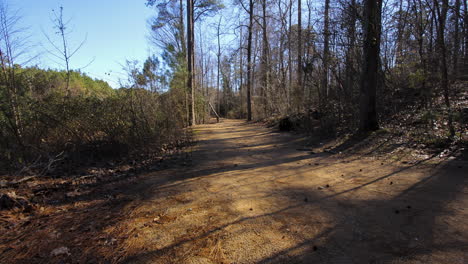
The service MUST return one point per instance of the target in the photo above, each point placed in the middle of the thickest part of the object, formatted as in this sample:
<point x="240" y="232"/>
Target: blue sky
<point x="116" y="30"/>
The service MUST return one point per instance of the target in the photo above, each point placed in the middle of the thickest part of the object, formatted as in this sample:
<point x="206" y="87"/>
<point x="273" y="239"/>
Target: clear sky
<point x="116" y="30"/>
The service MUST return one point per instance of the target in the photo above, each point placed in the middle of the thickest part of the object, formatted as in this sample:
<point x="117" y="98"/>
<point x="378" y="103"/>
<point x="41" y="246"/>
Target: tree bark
<point x="241" y="69"/>
<point x="441" y="45"/>
<point x="326" y="51"/>
<point x="465" y="33"/>
<point x="249" y="61"/>
<point x="299" y="93"/>
<point x="265" y="66"/>
<point x="190" y="57"/>
<point x="370" y="69"/>
<point x="290" y="54"/>
<point x="218" y="56"/>
<point x="351" y="53"/>
<point x="456" y="38"/>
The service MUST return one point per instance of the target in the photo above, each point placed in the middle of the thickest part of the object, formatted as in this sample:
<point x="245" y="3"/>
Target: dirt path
<point x="250" y="196"/>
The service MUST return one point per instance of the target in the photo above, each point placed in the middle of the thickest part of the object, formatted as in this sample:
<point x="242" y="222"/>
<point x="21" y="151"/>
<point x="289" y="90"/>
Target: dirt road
<point x="252" y="195"/>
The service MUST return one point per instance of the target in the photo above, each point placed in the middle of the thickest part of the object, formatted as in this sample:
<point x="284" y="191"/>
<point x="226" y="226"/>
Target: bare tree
<point x="441" y="11"/>
<point x="250" y="13"/>
<point x="218" y="59"/>
<point x="265" y="58"/>
<point x="12" y="47"/>
<point x="63" y="51"/>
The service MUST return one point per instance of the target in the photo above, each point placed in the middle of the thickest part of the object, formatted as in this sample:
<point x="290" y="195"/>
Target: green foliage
<point x="37" y="83"/>
<point x="206" y="8"/>
<point x="178" y="93"/>
<point x="167" y="29"/>
<point x="416" y="77"/>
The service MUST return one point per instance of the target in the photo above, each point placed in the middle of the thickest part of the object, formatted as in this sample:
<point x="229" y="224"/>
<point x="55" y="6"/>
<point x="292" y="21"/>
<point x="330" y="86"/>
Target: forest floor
<point x="253" y="195"/>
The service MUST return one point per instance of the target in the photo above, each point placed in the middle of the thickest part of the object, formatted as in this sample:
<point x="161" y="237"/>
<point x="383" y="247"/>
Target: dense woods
<point x="328" y="66"/>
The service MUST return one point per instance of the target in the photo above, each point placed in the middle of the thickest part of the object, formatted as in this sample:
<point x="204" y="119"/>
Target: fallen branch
<point x="52" y="160"/>
<point x="214" y="111"/>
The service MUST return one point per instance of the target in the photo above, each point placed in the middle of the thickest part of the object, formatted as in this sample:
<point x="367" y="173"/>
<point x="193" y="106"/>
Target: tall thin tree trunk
<point x="282" y="70"/>
<point x="192" y="25"/>
<point x="290" y="51"/>
<point x="66" y="56"/>
<point x="308" y="52"/>
<point x="465" y="29"/>
<point x="399" y="44"/>
<point x="326" y="51"/>
<point x="218" y="55"/>
<point x="241" y="69"/>
<point x="202" y="77"/>
<point x="441" y="45"/>
<point x="265" y="66"/>
<point x="184" y="51"/>
<point x="456" y="38"/>
<point x="190" y="56"/>
<point x="249" y="61"/>
<point x="417" y="4"/>
<point x="299" y="88"/>
<point x="350" y="71"/>
<point x="181" y="27"/>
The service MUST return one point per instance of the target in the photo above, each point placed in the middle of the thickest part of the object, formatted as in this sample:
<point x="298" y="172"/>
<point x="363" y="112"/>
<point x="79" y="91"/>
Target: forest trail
<point x="252" y="195"/>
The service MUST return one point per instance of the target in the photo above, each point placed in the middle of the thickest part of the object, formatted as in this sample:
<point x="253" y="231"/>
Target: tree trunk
<point x="350" y="53"/>
<point x="456" y="38"/>
<point x="299" y="93"/>
<point x="184" y="51"/>
<point x="218" y="55"/>
<point x="265" y="66"/>
<point x="249" y="61"/>
<point x="465" y="33"/>
<point x="400" y="30"/>
<point x="181" y="27"/>
<point x="190" y="56"/>
<point x="241" y="69"/>
<point x="326" y="51"/>
<point x="290" y="51"/>
<point x="348" y="95"/>
<point x="370" y="69"/>
<point x="441" y="45"/>
<point x="420" y="28"/>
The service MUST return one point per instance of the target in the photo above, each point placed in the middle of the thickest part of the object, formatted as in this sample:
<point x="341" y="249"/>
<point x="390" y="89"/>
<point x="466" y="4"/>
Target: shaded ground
<point x="251" y="195"/>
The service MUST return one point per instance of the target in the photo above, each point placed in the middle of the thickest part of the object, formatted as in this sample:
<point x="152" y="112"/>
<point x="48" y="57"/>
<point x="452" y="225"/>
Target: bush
<point x="92" y="124"/>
